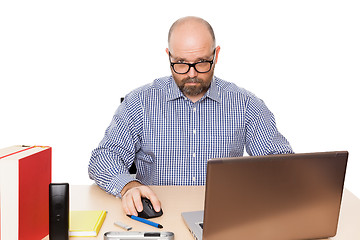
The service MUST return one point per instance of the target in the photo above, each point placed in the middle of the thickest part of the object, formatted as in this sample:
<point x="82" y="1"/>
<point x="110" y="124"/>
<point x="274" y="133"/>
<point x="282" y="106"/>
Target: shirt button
<point x="194" y="179"/>
<point x="194" y="131"/>
<point x="194" y="109"/>
<point x="194" y="154"/>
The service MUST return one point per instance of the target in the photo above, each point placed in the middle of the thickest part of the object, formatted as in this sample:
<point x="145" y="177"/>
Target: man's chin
<point x="192" y="90"/>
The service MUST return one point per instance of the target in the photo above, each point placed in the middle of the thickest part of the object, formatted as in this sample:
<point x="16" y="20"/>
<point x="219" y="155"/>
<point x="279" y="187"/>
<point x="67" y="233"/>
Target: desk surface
<point x="173" y="203"/>
<point x="177" y="199"/>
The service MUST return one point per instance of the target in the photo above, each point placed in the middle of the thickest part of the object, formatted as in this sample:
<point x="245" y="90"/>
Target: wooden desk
<point x="177" y="199"/>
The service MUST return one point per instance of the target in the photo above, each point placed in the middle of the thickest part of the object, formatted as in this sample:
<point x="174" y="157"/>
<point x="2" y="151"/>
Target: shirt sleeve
<point x="110" y="161"/>
<point x="262" y="135"/>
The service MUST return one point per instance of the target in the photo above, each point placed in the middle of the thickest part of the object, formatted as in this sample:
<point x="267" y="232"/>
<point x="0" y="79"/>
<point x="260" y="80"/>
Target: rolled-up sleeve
<point x="110" y="161"/>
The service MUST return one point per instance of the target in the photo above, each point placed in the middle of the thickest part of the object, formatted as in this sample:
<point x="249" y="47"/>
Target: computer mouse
<point x="148" y="210"/>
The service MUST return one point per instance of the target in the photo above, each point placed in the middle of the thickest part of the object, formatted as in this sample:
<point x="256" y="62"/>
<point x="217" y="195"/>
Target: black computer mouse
<point x="148" y="210"/>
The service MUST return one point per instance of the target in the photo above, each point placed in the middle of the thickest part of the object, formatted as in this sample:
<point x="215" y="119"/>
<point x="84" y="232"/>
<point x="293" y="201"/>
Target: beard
<point x="193" y="90"/>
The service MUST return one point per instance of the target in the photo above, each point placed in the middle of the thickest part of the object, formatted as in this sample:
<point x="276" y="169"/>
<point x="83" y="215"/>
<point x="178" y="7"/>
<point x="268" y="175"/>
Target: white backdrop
<point x="65" y="64"/>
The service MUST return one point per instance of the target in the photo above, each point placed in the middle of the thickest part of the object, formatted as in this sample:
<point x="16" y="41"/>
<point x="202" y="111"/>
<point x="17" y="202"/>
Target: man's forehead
<point x="190" y="46"/>
<point x="192" y="54"/>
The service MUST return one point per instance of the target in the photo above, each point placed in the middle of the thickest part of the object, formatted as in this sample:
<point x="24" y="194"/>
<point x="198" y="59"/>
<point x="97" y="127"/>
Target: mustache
<point x="192" y="80"/>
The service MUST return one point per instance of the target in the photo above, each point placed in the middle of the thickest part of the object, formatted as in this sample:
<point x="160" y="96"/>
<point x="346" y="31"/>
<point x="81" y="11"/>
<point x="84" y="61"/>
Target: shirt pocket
<point x="227" y="144"/>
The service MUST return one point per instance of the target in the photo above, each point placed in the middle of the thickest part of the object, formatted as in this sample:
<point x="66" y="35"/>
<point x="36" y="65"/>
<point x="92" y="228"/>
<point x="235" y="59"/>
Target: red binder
<point x="25" y="175"/>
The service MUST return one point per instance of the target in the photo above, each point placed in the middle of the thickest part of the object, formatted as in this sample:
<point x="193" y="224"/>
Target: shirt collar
<point x="212" y="93"/>
<point x="174" y="91"/>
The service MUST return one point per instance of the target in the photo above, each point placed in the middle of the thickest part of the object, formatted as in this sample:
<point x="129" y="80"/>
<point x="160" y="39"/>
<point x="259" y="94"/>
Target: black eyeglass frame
<point x="190" y="65"/>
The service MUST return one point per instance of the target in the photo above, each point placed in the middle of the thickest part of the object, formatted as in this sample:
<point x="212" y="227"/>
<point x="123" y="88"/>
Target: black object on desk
<point x="59" y="211"/>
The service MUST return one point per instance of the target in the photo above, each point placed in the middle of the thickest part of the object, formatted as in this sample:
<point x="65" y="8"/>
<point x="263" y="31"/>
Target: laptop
<point x="274" y="197"/>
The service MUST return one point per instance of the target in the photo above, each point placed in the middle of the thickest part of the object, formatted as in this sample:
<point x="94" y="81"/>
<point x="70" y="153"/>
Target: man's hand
<point x="131" y="198"/>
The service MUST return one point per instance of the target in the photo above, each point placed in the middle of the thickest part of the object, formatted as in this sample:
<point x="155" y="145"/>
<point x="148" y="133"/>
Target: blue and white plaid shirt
<point x="170" y="138"/>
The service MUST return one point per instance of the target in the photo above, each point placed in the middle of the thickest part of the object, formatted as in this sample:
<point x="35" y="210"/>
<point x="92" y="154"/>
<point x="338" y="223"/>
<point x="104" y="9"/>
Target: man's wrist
<point x="128" y="186"/>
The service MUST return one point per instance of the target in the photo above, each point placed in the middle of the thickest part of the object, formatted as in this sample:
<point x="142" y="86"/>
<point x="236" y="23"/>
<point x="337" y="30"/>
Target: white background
<point x="65" y="64"/>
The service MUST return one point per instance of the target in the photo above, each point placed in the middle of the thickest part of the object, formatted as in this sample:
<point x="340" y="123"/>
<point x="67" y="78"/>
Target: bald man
<point x="172" y="126"/>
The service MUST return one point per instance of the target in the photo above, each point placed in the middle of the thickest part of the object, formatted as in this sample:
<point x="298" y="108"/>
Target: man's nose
<point x="192" y="72"/>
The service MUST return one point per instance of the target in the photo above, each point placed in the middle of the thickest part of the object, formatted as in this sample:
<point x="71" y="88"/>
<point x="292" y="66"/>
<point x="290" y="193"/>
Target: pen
<point x="145" y="221"/>
<point x="122" y="225"/>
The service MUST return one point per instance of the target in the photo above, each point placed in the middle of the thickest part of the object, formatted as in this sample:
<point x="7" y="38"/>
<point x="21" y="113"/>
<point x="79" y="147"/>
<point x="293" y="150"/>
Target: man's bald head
<point x="194" y="24"/>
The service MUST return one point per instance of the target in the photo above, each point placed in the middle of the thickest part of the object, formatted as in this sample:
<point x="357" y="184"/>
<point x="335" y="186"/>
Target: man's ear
<point x="217" y="50"/>
<point x="167" y="51"/>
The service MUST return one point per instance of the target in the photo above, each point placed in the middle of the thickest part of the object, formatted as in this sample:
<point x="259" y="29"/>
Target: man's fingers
<point x="128" y="202"/>
<point x="136" y="197"/>
<point x="125" y="206"/>
<point x="155" y="201"/>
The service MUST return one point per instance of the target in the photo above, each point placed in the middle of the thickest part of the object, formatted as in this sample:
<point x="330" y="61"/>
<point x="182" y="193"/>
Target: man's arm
<point x="262" y="135"/>
<point x="110" y="162"/>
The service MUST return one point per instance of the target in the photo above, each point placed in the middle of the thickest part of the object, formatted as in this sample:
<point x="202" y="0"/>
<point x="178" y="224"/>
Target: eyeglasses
<point x="200" y="67"/>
